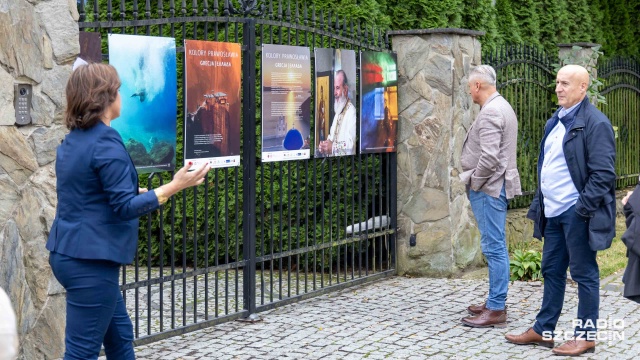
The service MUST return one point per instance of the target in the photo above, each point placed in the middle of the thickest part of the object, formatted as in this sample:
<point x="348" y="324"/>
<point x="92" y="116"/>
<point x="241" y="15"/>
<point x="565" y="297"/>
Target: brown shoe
<point x="476" y="309"/>
<point x="487" y="318"/>
<point x="529" y="337"/>
<point x="575" y="348"/>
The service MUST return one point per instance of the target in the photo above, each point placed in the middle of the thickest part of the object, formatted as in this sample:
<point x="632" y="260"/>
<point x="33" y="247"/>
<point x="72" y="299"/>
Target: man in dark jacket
<point x="631" y="239"/>
<point x="574" y="210"/>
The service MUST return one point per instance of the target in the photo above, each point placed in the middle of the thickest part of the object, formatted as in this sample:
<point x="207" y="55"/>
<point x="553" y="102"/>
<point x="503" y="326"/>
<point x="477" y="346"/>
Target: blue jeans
<point x="491" y="216"/>
<point x="96" y="313"/>
<point x="566" y="244"/>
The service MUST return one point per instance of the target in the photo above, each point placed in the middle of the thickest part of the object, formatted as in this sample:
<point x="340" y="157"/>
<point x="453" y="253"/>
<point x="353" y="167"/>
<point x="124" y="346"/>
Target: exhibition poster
<point x="336" y="116"/>
<point x="147" y="123"/>
<point x="286" y="102"/>
<point x="378" y="102"/>
<point x="212" y="103"/>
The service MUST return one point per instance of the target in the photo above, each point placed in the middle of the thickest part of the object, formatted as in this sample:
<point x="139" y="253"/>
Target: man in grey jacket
<point x="489" y="171"/>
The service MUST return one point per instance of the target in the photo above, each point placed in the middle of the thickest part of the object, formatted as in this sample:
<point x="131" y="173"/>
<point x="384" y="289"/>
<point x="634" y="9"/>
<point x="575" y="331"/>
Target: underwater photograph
<point x="147" y="122"/>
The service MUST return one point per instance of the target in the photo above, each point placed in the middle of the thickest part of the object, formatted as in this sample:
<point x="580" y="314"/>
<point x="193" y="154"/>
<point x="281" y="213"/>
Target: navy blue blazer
<point x="98" y="200"/>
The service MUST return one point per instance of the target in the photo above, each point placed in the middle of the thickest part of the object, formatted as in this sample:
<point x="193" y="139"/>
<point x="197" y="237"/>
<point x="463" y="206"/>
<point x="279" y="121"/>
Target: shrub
<point x="526" y="265"/>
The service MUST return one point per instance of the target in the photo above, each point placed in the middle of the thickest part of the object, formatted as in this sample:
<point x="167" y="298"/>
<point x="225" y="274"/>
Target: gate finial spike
<point x="351" y="30"/>
<point x="313" y="15"/>
<point x="366" y="33"/>
<point x="305" y="13"/>
<point x="81" y="12"/>
<point x="109" y="11"/>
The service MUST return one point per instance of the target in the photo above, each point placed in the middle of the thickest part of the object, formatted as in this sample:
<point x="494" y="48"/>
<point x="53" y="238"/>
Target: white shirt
<point x="555" y="181"/>
<point x="345" y="143"/>
<point x="8" y="332"/>
<point x="564" y="111"/>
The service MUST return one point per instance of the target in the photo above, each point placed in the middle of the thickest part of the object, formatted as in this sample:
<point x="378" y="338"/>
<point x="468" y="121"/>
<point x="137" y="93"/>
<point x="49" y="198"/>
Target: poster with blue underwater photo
<point x="147" y="123"/>
<point x="378" y="102"/>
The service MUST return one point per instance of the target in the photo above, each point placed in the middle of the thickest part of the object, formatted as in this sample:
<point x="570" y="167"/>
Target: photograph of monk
<point x="378" y="102"/>
<point x="147" y="123"/>
<point x="286" y="103"/>
<point x="340" y="132"/>
<point x="212" y="103"/>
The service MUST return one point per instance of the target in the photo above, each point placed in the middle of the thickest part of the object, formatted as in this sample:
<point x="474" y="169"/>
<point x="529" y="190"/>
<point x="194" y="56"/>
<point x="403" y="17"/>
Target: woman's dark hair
<point x="91" y="89"/>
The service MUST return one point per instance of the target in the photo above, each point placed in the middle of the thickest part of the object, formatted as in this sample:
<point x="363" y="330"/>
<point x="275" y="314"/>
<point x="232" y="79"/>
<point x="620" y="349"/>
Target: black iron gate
<point x="265" y="234"/>
<point x="622" y="92"/>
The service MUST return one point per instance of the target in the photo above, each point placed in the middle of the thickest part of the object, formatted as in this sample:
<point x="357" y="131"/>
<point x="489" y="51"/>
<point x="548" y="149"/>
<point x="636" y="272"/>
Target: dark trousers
<point x="566" y="244"/>
<point x="96" y="313"/>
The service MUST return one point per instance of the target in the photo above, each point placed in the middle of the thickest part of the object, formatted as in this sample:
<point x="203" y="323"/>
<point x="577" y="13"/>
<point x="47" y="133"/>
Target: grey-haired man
<point x="489" y="171"/>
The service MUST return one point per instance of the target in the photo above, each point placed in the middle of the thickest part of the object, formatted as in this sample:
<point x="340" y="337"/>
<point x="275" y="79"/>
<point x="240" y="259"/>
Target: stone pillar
<point x="435" y="112"/>
<point x="580" y="53"/>
<point x="38" y="42"/>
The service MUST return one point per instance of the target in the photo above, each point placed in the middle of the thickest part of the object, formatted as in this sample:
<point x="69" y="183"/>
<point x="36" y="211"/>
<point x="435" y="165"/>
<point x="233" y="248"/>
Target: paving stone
<point x="395" y="318"/>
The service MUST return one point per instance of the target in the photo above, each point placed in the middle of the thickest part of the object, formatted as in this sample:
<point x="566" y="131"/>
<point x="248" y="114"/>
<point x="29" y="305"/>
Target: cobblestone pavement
<point x="397" y="318"/>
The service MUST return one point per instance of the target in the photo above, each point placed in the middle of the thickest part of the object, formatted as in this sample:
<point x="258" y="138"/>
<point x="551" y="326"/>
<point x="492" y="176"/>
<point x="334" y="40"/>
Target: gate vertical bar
<point x="249" y="165"/>
<point x="393" y="205"/>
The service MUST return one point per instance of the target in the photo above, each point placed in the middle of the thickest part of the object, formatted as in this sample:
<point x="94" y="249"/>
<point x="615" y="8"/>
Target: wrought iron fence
<point x="265" y="234"/>
<point x="622" y="92"/>
<point x="524" y="78"/>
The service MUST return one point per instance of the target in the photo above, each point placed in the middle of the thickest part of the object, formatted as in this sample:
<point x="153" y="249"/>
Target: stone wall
<point x="38" y="42"/>
<point x="435" y="112"/>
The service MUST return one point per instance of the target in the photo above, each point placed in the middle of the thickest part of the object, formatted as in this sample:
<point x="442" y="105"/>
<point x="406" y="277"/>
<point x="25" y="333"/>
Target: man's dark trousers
<point x="566" y="244"/>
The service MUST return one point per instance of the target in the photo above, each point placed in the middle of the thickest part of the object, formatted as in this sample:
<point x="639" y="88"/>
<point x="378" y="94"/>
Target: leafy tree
<point x="425" y="14"/>
<point x="624" y="31"/>
<point x="528" y="19"/>
<point x="580" y="25"/>
<point x="370" y="12"/>
<point x="600" y="27"/>
<point x="554" y="21"/>
<point x="481" y="15"/>
<point x="507" y="27"/>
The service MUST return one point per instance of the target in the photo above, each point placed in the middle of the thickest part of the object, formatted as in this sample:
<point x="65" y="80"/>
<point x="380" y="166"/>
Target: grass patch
<point x="613" y="260"/>
<point x="610" y="261"/>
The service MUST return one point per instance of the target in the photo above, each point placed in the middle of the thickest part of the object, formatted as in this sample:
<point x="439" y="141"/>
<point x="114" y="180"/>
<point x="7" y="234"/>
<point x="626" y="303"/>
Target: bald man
<point x="574" y="210"/>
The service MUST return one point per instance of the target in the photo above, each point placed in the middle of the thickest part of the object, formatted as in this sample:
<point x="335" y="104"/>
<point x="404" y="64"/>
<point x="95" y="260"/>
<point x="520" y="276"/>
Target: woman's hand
<point x="182" y="180"/>
<point x="142" y="190"/>
<point x="626" y="198"/>
<point x="185" y="178"/>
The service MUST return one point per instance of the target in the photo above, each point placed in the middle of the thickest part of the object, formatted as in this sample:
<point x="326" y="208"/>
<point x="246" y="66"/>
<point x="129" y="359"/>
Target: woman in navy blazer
<point x="95" y="230"/>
